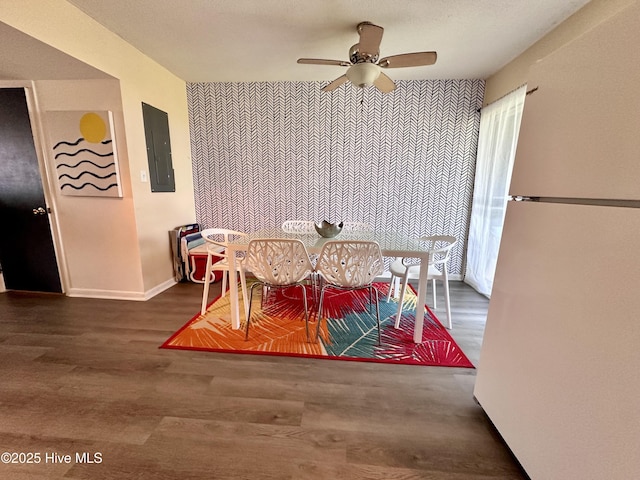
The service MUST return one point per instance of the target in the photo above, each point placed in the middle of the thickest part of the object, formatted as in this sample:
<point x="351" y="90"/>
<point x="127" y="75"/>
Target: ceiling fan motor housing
<point x="356" y="57"/>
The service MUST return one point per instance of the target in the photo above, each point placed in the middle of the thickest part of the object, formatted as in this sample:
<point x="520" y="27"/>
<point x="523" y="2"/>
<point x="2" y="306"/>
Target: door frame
<point x="39" y="141"/>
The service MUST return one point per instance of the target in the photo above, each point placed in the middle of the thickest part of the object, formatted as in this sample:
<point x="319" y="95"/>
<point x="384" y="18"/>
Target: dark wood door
<point x="27" y="255"/>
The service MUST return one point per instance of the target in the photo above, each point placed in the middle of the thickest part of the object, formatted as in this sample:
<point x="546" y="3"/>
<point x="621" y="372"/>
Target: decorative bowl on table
<point x="328" y="230"/>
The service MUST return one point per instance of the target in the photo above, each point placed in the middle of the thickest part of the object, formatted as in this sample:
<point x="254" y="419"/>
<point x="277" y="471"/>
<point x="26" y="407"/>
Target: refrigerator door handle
<point x="602" y="202"/>
<point x="520" y="198"/>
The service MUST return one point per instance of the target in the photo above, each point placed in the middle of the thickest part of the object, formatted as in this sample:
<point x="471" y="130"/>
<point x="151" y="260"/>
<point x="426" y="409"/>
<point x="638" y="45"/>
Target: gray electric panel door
<point x="156" y="131"/>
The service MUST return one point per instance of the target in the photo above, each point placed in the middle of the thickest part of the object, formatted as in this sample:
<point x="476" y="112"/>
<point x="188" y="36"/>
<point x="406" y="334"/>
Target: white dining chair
<point x="349" y="265"/>
<point x="402" y="271"/>
<point x="217" y="240"/>
<point x="298" y="226"/>
<point x="356" y="227"/>
<point x="278" y="263"/>
<point x="304" y="226"/>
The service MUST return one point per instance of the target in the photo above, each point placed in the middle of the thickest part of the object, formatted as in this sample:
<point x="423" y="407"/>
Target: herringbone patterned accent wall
<point x="265" y="152"/>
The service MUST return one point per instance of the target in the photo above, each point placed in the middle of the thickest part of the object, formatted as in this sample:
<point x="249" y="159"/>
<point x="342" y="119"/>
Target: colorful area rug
<point x="347" y="332"/>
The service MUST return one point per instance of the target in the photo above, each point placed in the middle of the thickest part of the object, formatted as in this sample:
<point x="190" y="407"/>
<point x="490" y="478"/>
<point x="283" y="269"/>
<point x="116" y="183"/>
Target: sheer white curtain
<point x="498" y="137"/>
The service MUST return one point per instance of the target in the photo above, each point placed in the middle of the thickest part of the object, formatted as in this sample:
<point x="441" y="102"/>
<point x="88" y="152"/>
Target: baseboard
<point x="105" y="294"/>
<point x="160" y="288"/>
<point x="121" y="295"/>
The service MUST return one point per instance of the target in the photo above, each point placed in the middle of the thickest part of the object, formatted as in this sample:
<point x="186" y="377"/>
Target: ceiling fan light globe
<point x="363" y="74"/>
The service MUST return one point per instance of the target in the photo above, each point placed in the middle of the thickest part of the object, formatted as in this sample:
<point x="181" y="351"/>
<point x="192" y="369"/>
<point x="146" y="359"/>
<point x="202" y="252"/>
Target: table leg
<point x="233" y="293"/>
<point x="205" y="287"/>
<point x="421" y="300"/>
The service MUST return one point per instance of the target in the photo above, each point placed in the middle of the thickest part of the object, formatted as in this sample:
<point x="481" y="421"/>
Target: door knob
<point x="39" y="211"/>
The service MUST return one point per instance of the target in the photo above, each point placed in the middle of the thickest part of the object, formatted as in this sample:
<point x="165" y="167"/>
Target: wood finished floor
<point x="83" y="375"/>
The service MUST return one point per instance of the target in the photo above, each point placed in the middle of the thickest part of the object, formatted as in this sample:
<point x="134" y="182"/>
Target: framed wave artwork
<point x="84" y="153"/>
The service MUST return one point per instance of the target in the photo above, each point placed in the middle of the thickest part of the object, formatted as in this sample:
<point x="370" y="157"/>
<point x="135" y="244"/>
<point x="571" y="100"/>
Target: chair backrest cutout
<point x="350" y="263"/>
<point x="278" y="261"/>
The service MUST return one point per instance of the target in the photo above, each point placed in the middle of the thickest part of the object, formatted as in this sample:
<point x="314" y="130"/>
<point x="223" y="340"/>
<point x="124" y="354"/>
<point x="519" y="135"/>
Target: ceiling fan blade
<point x="370" y="38"/>
<point x="319" y="61"/>
<point x="335" y="84"/>
<point x="417" y="59"/>
<point x="384" y="83"/>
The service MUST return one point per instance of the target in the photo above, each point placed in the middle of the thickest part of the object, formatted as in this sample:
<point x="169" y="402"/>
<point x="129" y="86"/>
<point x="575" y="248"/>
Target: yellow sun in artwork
<point x="92" y="127"/>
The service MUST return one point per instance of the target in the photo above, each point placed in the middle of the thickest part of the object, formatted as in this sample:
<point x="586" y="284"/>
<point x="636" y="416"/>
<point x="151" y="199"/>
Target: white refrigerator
<point x="559" y="369"/>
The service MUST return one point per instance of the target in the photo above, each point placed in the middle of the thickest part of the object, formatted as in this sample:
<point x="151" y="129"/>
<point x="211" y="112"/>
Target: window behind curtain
<point x="498" y="137"/>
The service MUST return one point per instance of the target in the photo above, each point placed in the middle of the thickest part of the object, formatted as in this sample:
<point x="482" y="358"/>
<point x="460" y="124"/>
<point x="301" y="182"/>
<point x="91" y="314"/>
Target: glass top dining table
<point x="392" y="244"/>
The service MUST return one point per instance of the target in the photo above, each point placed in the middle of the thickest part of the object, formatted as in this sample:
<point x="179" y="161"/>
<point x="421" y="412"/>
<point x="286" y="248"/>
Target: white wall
<point x="99" y="233"/>
<point x="135" y="230"/>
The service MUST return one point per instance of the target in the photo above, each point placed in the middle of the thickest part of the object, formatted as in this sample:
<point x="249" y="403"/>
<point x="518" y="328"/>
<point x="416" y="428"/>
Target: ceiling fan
<point x="364" y="67"/>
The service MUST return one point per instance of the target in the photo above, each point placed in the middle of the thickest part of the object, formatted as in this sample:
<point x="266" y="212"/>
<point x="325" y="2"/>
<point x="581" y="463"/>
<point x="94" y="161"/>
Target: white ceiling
<point x="260" y="40"/>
